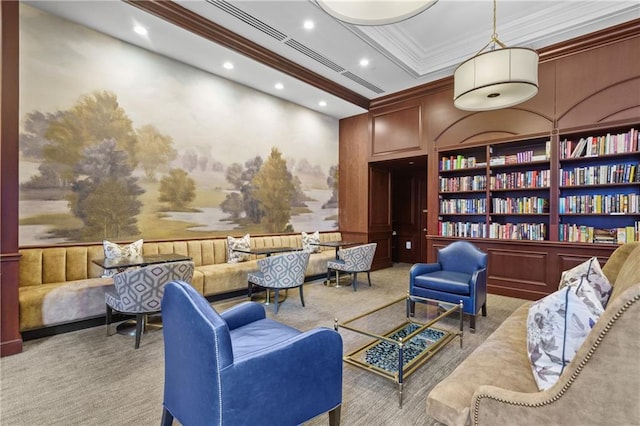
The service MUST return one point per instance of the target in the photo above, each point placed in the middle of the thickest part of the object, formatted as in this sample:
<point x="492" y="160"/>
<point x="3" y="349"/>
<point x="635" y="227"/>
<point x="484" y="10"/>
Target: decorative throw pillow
<point x="116" y="251"/>
<point x="310" y="242"/>
<point x="233" y="244"/>
<point x="557" y="326"/>
<point x="588" y="271"/>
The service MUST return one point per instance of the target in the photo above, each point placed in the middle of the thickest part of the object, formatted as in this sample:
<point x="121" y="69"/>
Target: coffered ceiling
<point x="323" y="63"/>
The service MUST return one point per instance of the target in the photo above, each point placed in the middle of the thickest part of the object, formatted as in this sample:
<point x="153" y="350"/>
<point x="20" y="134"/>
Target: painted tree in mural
<point x="93" y="119"/>
<point x="177" y="189"/>
<point x="155" y="151"/>
<point x="332" y="183"/>
<point x="241" y="178"/>
<point x="106" y="197"/>
<point x="274" y="190"/>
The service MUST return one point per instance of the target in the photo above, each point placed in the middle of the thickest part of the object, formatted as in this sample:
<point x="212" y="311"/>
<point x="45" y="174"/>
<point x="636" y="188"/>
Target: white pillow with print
<point x="310" y="242"/>
<point x="234" y="244"/>
<point x="588" y="271"/>
<point x="557" y="325"/>
<point x="113" y="251"/>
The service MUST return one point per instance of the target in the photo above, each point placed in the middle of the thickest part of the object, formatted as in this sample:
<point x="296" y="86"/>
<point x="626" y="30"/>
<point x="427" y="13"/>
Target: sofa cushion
<point x="310" y="242"/>
<point x="233" y="244"/>
<point x="557" y="325"/>
<point x="447" y="281"/>
<point x="588" y="271"/>
<point x="115" y="251"/>
<point x="449" y="400"/>
<point x="629" y="273"/>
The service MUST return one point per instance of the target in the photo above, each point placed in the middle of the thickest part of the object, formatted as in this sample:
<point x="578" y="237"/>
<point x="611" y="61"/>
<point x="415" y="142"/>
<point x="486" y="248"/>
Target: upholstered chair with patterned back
<point x="240" y="368"/>
<point x="460" y="274"/>
<point x="353" y="260"/>
<point x="139" y="291"/>
<point x="278" y="272"/>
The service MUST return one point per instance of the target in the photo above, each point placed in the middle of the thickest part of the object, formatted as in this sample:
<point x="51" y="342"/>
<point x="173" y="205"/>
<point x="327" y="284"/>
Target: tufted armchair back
<point x="462" y="256"/>
<point x="284" y="270"/>
<point x="141" y="290"/>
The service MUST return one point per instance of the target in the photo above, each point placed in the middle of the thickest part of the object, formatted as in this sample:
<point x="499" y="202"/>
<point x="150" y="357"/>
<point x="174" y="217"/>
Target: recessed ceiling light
<point x="322" y="103"/>
<point x="279" y="86"/>
<point x="308" y="25"/>
<point x="139" y="29"/>
<point x="228" y="65"/>
<point x="364" y="62"/>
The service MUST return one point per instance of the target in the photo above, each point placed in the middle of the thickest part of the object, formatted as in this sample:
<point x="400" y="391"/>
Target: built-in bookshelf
<point x="503" y="186"/>
<point x="599" y="186"/>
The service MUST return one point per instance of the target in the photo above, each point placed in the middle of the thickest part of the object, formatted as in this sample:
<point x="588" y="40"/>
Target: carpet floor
<point x="87" y="378"/>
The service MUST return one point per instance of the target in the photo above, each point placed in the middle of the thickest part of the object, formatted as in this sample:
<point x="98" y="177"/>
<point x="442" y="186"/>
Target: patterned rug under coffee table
<point x="408" y="345"/>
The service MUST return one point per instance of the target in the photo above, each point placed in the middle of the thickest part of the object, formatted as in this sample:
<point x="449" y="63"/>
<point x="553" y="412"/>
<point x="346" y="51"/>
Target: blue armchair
<point x="240" y="368"/>
<point x="459" y="274"/>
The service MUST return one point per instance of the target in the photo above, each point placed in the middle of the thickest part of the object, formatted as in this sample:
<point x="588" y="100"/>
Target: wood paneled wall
<point x="584" y="83"/>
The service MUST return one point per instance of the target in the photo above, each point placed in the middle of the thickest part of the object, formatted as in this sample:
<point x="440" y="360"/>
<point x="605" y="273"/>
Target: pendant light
<point x="374" y="12"/>
<point x="499" y="78"/>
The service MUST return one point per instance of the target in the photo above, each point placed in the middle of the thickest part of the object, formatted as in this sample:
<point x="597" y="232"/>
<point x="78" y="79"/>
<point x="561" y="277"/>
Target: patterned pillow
<point x="557" y="326"/>
<point x="310" y="242"/>
<point x="115" y="251"/>
<point x="588" y="271"/>
<point x="243" y="243"/>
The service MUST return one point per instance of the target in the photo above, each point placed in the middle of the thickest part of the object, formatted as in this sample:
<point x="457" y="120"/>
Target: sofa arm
<point x="597" y="387"/>
<point x="243" y="314"/>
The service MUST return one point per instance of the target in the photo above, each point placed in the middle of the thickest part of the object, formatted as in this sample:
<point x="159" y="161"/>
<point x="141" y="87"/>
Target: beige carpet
<point x="86" y="378"/>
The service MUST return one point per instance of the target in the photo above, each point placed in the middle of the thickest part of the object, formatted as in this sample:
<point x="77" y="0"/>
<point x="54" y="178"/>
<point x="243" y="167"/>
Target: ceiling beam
<point x="191" y="21"/>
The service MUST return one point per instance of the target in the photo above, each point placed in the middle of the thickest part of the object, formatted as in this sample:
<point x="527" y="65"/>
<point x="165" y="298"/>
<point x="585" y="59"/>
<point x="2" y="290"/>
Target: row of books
<point x="590" y="234"/>
<point x="600" y="204"/>
<point x="463" y="206"/>
<point x="520" y="205"/>
<point x="528" y="179"/>
<point x="517" y="158"/>
<point x="462" y="229"/>
<point x="600" y="145"/>
<point x="463" y="183"/>
<point x="456" y="162"/>
<point x="518" y="231"/>
<point x="600" y="175"/>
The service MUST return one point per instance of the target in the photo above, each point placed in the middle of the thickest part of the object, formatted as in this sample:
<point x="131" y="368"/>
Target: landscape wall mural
<point x="120" y="143"/>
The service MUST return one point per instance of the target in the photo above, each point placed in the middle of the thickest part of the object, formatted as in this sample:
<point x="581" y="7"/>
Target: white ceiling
<point x="416" y="51"/>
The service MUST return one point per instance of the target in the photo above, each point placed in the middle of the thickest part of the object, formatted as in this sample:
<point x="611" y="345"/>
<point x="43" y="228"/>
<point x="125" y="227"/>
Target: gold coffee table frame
<point x="404" y="371"/>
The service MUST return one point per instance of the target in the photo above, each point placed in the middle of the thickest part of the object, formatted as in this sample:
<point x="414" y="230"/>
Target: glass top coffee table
<point x="401" y="345"/>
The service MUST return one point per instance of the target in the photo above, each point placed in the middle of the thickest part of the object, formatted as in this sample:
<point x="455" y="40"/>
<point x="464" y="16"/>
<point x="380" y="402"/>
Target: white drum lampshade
<point x="496" y="79"/>
<point x="380" y="12"/>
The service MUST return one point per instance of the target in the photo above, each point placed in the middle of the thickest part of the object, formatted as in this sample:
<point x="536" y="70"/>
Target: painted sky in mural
<point x="118" y="142"/>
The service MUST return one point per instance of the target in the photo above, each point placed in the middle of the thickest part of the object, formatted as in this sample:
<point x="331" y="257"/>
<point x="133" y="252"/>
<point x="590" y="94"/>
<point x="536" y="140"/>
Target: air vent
<point x="313" y="55"/>
<point x="248" y="19"/>
<point x="363" y="82"/>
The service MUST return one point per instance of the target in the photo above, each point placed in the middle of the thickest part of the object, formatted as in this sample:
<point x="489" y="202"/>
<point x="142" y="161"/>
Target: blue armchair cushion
<point x="446" y="281"/>
<point x="259" y="335"/>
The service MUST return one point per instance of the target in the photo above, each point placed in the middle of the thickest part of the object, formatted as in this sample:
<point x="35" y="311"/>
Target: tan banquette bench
<point x="60" y="285"/>
<point x="601" y="385"/>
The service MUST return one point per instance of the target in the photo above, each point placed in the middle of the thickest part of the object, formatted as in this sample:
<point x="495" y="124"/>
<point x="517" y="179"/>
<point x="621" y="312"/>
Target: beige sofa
<point x="495" y="385"/>
<point x="61" y="284"/>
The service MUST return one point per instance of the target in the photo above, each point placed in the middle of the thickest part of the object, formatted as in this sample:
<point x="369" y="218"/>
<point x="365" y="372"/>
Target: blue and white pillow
<point x="588" y="271"/>
<point x="310" y="242"/>
<point x="114" y="251"/>
<point x="557" y="326"/>
<point x="234" y="244"/>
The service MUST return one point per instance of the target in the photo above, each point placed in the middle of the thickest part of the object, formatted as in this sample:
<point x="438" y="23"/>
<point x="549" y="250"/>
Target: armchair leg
<point x="355" y="280"/>
<point x="167" y="418"/>
<point x="301" y="295"/>
<point x="334" y="416"/>
<point x="328" y="281"/>
<point x="139" y="323"/>
<point x="275" y="307"/>
<point x="472" y="323"/>
<point x="109" y="319"/>
<point x="250" y="289"/>
<point x="369" y="278"/>
<point x="484" y="309"/>
<point x="338" y="279"/>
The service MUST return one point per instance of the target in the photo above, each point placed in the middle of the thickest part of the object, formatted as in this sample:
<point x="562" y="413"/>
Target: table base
<point x="128" y="327"/>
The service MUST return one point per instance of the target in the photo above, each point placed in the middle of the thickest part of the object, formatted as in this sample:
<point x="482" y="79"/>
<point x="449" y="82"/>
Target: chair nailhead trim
<point x="574" y="376"/>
